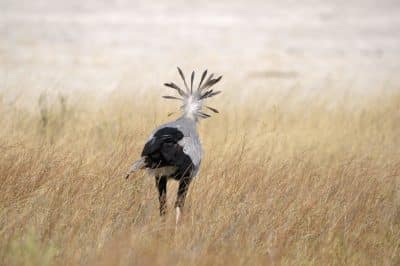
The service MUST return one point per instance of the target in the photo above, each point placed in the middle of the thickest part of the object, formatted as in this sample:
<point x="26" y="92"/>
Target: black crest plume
<point x="193" y="98"/>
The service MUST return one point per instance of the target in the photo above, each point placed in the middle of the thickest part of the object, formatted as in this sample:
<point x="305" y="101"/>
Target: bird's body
<point x="173" y="150"/>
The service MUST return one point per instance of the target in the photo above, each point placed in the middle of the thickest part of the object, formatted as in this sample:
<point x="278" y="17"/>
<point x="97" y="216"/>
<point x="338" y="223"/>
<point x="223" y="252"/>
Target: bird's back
<point x="174" y="148"/>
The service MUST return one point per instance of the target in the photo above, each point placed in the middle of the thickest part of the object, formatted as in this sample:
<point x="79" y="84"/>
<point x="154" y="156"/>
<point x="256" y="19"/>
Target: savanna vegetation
<point x="283" y="182"/>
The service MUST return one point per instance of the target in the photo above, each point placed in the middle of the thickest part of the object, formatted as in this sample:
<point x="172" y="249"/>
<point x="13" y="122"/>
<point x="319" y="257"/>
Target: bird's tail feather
<point x="139" y="164"/>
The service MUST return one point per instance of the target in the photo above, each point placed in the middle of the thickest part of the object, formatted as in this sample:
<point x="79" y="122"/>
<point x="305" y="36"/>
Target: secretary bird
<point x="173" y="150"/>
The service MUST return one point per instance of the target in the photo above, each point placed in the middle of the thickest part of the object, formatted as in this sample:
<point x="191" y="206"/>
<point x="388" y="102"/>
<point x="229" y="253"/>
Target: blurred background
<point x="350" y="47"/>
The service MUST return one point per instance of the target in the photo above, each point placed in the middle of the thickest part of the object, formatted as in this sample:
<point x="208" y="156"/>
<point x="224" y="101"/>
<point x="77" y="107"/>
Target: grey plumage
<point x="173" y="150"/>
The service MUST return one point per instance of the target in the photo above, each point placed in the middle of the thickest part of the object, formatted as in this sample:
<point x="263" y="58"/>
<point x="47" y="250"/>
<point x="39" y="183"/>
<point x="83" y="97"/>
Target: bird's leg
<point x="180" y="200"/>
<point x="161" y="183"/>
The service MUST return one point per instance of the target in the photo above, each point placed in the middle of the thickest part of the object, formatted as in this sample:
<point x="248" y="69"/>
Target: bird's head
<point x="193" y="99"/>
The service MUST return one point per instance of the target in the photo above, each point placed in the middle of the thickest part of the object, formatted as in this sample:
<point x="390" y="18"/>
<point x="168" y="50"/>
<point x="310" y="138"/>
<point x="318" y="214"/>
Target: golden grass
<point x="284" y="182"/>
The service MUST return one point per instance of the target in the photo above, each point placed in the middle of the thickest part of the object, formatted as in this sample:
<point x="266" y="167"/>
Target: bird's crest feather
<point x="193" y="99"/>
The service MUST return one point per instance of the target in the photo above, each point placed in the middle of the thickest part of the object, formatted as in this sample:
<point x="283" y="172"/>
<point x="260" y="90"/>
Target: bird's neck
<point x="189" y="118"/>
<point x="192" y="106"/>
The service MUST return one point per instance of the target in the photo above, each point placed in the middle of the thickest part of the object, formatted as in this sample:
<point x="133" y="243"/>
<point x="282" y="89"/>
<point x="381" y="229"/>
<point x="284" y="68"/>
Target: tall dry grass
<point x="288" y="181"/>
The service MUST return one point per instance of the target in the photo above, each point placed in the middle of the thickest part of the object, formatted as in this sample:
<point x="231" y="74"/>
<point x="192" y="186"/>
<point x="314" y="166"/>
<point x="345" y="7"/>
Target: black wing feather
<point x="163" y="150"/>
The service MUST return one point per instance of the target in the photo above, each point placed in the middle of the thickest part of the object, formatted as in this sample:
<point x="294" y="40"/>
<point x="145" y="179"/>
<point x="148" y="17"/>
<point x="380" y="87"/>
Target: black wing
<point x="163" y="150"/>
